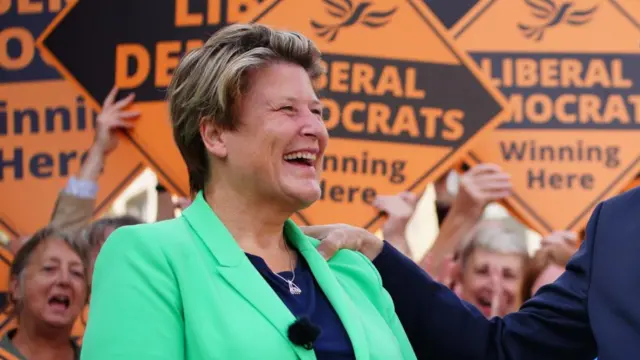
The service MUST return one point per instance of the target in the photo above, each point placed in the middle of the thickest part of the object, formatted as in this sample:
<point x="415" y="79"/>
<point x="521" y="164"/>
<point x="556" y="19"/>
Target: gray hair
<point x="209" y="81"/>
<point x="494" y="236"/>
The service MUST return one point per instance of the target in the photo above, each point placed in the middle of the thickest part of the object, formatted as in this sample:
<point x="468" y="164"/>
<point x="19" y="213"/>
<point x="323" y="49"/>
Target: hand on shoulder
<point x="342" y="236"/>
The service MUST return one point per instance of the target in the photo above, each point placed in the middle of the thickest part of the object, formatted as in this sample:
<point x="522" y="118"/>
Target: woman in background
<point x="491" y="269"/>
<point x="48" y="292"/>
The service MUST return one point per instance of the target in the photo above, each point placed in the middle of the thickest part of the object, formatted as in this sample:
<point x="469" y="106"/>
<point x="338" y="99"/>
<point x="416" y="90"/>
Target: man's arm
<point x="554" y="324"/>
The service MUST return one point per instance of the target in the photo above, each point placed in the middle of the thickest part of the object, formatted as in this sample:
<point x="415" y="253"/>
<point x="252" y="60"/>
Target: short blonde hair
<point x="209" y="81"/>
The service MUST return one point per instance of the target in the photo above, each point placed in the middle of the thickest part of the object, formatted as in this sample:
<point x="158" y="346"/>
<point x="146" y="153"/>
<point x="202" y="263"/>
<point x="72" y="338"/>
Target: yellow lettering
<point x="538" y="108"/>
<point x="486" y="65"/>
<point x="5" y="6"/>
<point x="27" y="48"/>
<point x="617" y="74"/>
<point x="183" y="18"/>
<point x="589" y="109"/>
<point x="615" y="110"/>
<point x="379" y="123"/>
<point x="515" y="104"/>
<point x="125" y="52"/>
<point x="405" y="122"/>
<point x="411" y="92"/>
<point x="634" y="100"/>
<point x="339" y="76"/>
<point x="526" y="73"/>
<point x="453" y="127"/>
<point x="347" y="116"/>
<point x="571" y="73"/>
<point x="431" y="117"/>
<point x="549" y="73"/>
<point x="597" y="74"/>
<point x="507" y="72"/>
<point x="362" y="78"/>
<point x="561" y="109"/>
<point x="378" y="116"/>
<point x="30" y="7"/>
<point x="55" y="5"/>
<point x="167" y="59"/>
<point x="213" y="12"/>
<point x="389" y="82"/>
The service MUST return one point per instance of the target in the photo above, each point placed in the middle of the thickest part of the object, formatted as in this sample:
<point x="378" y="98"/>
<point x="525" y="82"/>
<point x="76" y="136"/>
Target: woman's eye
<point x="48" y="268"/>
<point x="287" y="108"/>
<point x="317" y="111"/>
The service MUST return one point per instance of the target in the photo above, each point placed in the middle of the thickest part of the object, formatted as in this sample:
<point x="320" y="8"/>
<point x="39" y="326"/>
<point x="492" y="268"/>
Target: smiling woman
<point x="234" y="277"/>
<point x="48" y="292"/>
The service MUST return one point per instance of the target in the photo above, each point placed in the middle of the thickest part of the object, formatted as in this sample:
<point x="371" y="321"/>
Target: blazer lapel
<point x="346" y="309"/>
<point x="238" y="270"/>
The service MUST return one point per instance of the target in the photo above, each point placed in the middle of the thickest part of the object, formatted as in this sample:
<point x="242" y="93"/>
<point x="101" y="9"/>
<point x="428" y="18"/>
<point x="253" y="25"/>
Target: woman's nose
<point x="314" y="127"/>
<point x="64" y="277"/>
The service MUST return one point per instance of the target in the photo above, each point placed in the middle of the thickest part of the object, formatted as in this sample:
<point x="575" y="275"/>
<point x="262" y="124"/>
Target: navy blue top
<point x="333" y="342"/>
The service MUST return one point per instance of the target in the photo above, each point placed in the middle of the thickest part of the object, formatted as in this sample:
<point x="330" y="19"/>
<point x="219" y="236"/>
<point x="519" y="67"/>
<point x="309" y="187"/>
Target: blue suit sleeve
<point x="553" y="325"/>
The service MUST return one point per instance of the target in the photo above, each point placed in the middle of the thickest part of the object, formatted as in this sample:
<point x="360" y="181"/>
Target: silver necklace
<point x="293" y="288"/>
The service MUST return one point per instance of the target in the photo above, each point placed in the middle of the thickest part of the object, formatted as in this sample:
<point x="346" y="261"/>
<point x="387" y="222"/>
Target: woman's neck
<point x="256" y="227"/>
<point x="41" y="344"/>
<point x="252" y="223"/>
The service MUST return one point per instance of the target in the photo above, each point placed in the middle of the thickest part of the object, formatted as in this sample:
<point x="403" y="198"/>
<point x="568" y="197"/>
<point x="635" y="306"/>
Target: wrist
<point x="372" y="247"/>
<point x="97" y="150"/>
<point x="400" y="243"/>
<point x="466" y="212"/>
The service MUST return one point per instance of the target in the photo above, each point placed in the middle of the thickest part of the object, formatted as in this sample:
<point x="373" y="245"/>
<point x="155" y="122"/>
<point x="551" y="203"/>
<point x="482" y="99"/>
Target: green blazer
<point x="183" y="289"/>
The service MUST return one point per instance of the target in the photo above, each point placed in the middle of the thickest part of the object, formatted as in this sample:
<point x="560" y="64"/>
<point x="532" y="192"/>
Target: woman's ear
<point x="212" y="137"/>
<point x="16" y="290"/>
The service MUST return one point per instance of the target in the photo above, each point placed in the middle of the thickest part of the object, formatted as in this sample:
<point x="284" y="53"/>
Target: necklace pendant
<point x="293" y="288"/>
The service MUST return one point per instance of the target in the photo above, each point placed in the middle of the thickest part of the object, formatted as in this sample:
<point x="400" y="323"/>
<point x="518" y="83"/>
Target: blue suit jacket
<point x="593" y="309"/>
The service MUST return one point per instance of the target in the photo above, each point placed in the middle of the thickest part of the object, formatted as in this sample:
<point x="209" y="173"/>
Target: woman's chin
<point x="305" y="196"/>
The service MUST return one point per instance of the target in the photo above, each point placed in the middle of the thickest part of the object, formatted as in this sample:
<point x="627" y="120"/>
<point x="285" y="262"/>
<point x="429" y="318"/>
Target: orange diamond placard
<point x="571" y="73"/>
<point x="402" y="103"/>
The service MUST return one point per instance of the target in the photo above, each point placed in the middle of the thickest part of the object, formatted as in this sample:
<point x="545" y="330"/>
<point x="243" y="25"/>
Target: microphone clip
<point x="303" y="332"/>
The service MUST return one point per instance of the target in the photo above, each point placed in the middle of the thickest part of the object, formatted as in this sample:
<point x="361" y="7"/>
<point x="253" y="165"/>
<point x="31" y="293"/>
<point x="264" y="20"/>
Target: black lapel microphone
<point x="303" y="332"/>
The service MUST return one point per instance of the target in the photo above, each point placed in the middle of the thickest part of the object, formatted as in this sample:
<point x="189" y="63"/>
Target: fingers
<point x="382" y="202"/>
<point x="409" y="197"/>
<point x="330" y="246"/>
<point x="496" y="284"/>
<point x="495" y="195"/>
<point x="316" y="231"/>
<point x="120" y="124"/>
<point x="484" y="168"/>
<point x="129" y="114"/>
<point x="492" y="178"/>
<point x="122" y="103"/>
<point x="111" y="97"/>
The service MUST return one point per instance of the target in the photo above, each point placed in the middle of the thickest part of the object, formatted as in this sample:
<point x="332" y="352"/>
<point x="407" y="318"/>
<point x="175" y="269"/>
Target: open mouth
<point x="60" y="302"/>
<point x="301" y="158"/>
<point x="484" y="302"/>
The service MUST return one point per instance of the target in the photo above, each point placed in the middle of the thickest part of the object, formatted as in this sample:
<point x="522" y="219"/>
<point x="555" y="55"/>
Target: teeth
<point x="300" y="155"/>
